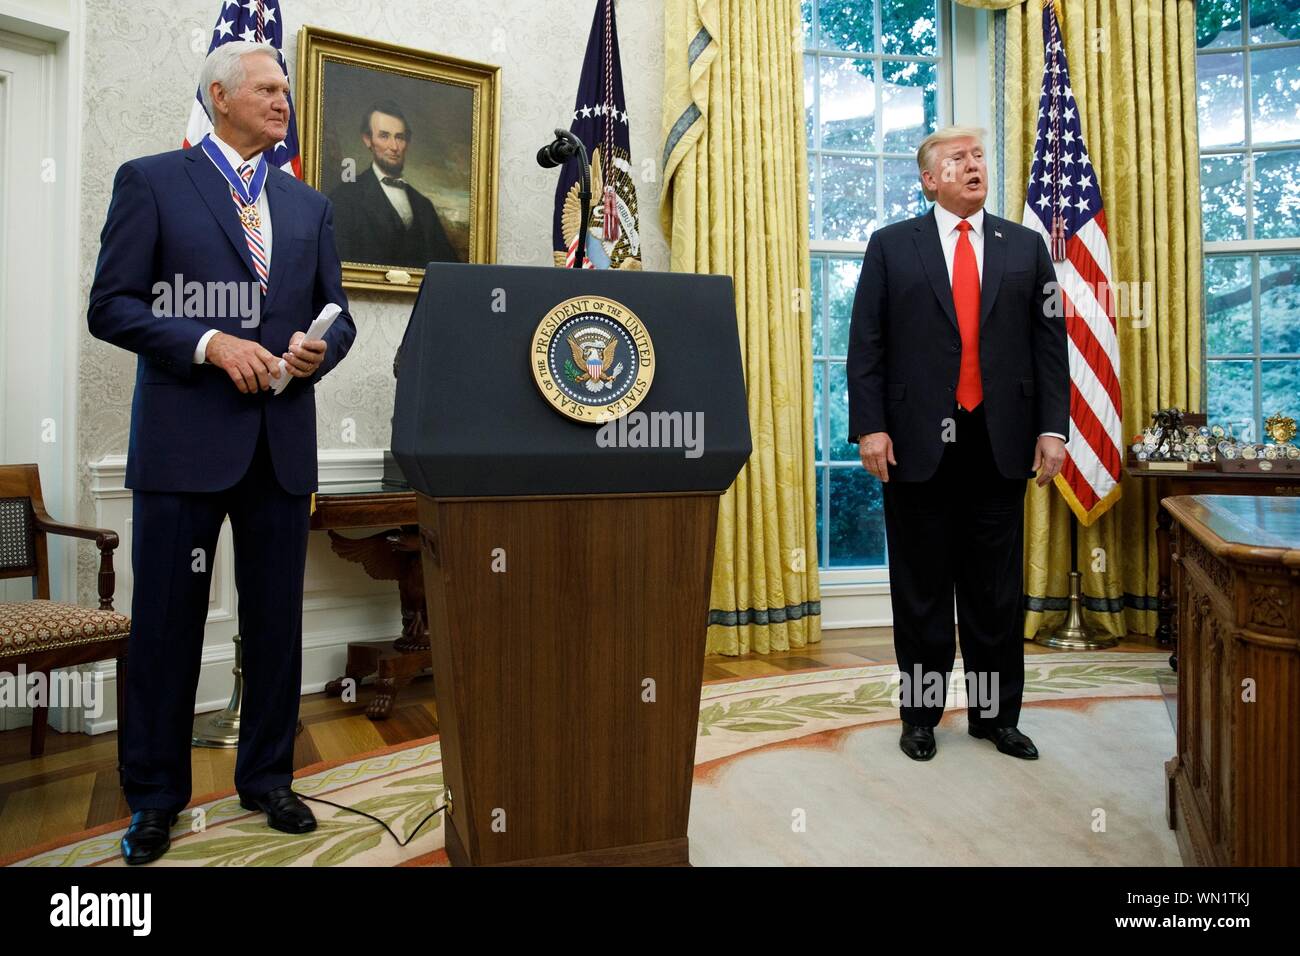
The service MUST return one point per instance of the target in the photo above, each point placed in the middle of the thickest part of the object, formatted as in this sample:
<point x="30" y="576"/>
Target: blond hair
<point x="938" y="138"/>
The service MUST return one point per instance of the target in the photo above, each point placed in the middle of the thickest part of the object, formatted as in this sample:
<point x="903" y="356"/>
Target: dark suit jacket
<point x="905" y="348"/>
<point x="191" y="429"/>
<point x="369" y="229"/>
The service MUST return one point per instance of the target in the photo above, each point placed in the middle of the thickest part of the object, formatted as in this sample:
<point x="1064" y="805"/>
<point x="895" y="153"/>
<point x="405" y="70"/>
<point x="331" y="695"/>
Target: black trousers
<point x="961" y="533"/>
<point x="174" y="540"/>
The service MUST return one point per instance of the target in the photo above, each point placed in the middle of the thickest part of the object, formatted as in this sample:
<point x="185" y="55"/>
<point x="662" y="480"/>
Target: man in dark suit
<point x="383" y="219"/>
<point x="209" y="439"/>
<point x="958" y="383"/>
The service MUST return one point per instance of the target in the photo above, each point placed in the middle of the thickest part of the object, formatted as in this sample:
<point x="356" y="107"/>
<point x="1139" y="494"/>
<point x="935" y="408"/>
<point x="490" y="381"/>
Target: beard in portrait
<point x="380" y="218"/>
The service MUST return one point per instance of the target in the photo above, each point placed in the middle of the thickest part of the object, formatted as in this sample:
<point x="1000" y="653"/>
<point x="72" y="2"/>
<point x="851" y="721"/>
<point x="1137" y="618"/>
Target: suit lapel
<point x="379" y="200"/>
<point x="995" y="250"/>
<point x="215" y="192"/>
<point x="931" y="254"/>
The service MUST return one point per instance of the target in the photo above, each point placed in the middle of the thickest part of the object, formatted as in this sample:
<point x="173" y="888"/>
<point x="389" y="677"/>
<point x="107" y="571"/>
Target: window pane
<point x="806" y="17"/>
<point x="848" y="198"/>
<point x="837" y="394"/>
<point x="821" y="511"/>
<point x="903" y="196"/>
<point x="908" y="27"/>
<point x="848" y="104"/>
<point x="818" y="306"/>
<point x="842" y="278"/>
<point x="1223" y="197"/>
<point x="810" y="99"/>
<point x="1277" y="194"/>
<point x="1272" y="21"/>
<point x="1228" y="329"/>
<point x="1275" y="95"/>
<point x="846" y="25"/>
<point x="1280" y="384"/>
<point x="1230" y="389"/>
<point x="857" y="519"/>
<point x="1218" y="23"/>
<point x="819" y="393"/>
<point x="909" y="104"/>
<point x="1279" y="304"/>
<point x="1221" y="93"/>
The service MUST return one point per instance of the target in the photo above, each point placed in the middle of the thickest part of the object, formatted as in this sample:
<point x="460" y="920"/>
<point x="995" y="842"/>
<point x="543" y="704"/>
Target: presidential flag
<point x="600" y="121"/>
<point x="257" y="21"/>
<point x="1063" y="202"/>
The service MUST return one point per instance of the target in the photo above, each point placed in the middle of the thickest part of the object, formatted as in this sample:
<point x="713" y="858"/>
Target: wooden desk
<point x="390" y="555"/>
<point x="1201" y="480"/>
<point x="1234" y="782"/>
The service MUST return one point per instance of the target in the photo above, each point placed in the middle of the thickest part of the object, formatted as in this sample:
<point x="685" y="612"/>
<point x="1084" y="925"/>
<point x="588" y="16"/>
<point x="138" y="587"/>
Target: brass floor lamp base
<point x="221" y="729"/>
<point x="1073" y="634"/>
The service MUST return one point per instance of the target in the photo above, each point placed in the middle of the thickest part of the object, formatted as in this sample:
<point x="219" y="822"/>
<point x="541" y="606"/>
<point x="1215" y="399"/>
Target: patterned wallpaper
<point x="140" y="75"/>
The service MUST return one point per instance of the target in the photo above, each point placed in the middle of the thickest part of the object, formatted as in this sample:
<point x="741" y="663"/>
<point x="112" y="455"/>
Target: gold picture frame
<point x="446" y="172"/>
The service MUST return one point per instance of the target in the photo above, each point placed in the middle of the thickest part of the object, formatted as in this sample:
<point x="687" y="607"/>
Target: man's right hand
<point x="250" y="367"/>
<point x="877" y="453"/>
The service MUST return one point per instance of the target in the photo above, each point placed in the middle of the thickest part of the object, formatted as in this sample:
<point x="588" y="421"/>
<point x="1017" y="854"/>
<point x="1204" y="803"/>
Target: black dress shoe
<point x="148" y="837"/>
<point x="284" y="810"/>
<point x="917" y="742"/>
<point x="1008" y="740"/>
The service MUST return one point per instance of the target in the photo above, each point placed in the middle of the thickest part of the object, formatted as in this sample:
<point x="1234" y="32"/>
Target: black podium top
<point x="471" y="421"/>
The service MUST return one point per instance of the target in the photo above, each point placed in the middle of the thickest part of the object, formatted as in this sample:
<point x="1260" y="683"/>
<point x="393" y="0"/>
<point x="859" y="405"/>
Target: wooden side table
<point x="390" y="555"/>
<point x="1200" y="480"/>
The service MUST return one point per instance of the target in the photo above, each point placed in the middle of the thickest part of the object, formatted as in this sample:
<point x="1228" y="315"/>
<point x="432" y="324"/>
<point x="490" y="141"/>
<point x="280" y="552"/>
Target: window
<point x="875" y="74"/>
<point x="1248" y="104"/>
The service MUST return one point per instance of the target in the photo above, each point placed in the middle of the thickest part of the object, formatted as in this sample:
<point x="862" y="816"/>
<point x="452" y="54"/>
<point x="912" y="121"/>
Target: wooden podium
<point x="567" y="584"/>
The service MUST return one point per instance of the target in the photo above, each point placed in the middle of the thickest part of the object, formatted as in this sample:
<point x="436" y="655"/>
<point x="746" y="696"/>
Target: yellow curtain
<point x="735" y="201"/>
<point x="1133" y="72"/>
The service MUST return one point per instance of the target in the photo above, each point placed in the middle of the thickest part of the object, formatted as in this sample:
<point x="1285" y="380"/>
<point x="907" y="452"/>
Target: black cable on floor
<point x="363" y="813"/>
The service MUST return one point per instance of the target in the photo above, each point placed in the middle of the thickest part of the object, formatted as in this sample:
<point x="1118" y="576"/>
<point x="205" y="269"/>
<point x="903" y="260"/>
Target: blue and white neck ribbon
<point x="246" y="193"/>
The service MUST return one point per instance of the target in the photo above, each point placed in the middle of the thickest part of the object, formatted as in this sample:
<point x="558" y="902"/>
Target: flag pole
<point x="1073" y="633"/>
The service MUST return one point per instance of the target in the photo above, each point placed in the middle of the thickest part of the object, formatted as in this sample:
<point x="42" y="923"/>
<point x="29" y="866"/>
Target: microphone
<point x="556" y="153"/>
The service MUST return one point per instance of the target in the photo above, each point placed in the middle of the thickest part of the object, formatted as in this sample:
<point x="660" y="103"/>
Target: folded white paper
<point x="317" y="331"/>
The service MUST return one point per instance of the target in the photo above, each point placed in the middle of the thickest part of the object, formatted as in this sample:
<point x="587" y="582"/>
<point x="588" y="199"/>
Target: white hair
<point x="938" y="137"/>
<point x="225" y="65"/>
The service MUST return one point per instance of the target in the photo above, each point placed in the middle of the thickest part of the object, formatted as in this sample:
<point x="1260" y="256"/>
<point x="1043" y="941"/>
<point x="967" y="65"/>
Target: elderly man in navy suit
<point x="959" y="391"/>
<point x="251" y="250"/>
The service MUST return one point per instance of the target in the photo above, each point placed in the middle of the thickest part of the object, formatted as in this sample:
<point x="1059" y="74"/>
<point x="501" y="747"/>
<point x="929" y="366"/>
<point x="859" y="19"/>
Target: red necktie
<point x="966" y="300"/>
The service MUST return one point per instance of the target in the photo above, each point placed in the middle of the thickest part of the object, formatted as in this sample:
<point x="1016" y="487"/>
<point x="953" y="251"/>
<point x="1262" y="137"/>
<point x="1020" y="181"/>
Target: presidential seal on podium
<point x="592" y="359"/>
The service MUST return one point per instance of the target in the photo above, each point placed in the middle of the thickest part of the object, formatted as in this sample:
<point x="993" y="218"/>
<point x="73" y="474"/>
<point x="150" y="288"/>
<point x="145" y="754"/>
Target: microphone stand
<point x="560" y="151"/>
<point x="584" y="203"/>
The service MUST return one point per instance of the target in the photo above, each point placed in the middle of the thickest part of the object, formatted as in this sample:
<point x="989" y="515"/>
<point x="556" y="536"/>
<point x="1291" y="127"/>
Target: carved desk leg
<point x="389" y="556"/>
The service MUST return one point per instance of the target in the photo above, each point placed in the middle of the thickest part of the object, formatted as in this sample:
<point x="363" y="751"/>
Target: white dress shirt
<point x="397" y="196"/>
<point x="263" y="210"/>
<point x="948" y="236"/>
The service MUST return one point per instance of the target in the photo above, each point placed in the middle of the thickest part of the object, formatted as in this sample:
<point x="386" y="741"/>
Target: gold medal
<point x="250" y="217"/>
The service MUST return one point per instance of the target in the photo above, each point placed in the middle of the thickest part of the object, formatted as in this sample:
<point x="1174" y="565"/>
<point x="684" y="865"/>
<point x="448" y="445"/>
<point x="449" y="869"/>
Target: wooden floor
<point x="74" y="785"/>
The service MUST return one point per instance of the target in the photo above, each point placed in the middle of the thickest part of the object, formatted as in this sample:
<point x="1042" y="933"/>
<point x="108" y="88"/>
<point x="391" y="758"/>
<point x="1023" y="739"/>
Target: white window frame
<point x="858" y="597"/>
<point x="1249" y="246"/>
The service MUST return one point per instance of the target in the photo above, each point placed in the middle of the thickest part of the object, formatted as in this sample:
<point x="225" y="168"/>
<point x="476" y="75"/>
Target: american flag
<point x="257" y="21"/>
<point x="1063" y="202"/>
